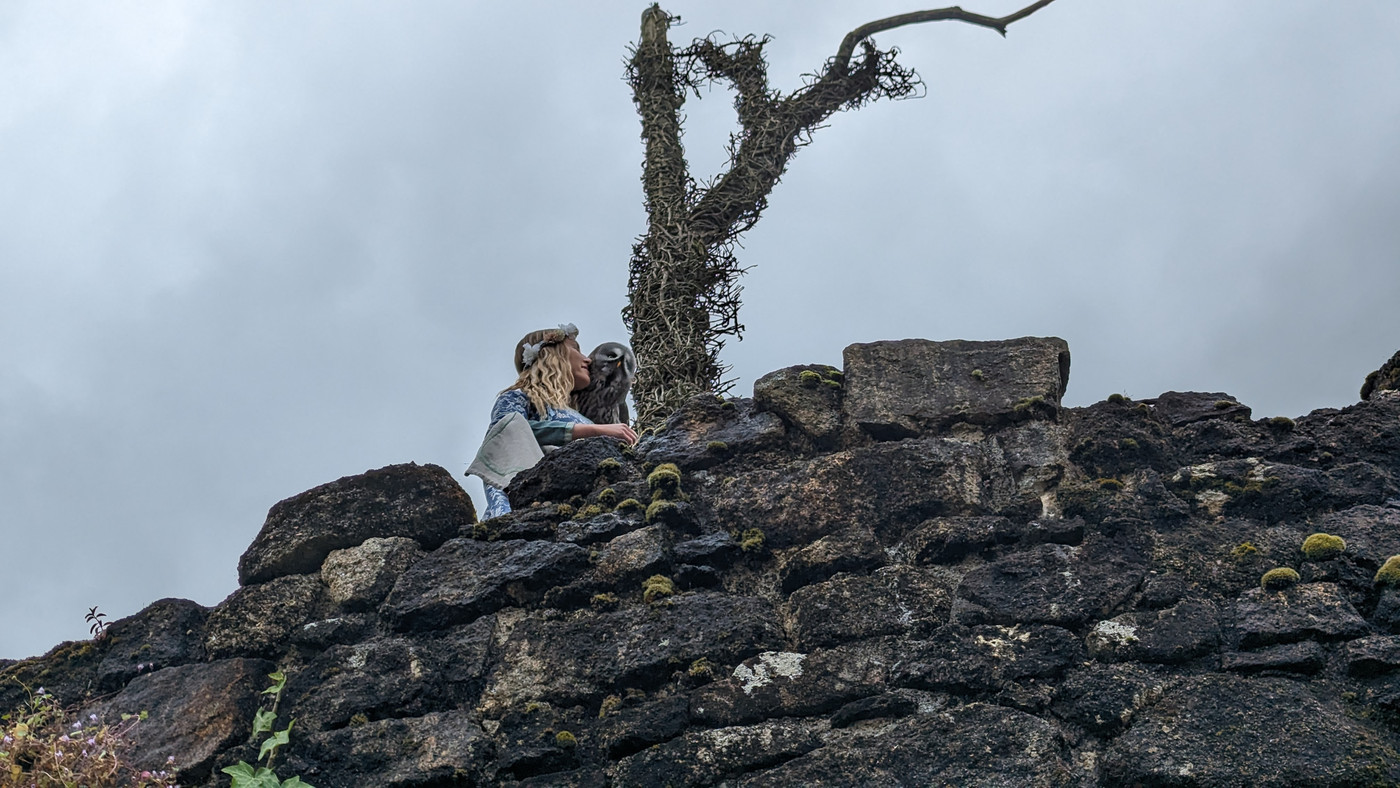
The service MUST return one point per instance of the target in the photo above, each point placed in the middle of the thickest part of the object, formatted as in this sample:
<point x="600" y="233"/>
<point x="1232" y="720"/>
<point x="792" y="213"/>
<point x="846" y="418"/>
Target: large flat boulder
<point x="1230" y="730"/>
<point x="466" y="579"/>
<point x="442" y="748"/>
<point x="1312" y="611"/>
<point x="911" y="387"/>
<point x="260" y="620"/>
<point x="421" y="502"/>
<point x="583" y="657"/>
<point x="166" y="633"/>
<point x="194" y="713"/>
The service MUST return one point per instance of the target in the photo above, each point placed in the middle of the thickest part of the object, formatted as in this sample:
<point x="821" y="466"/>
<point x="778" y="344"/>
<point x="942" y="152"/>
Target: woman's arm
<point x="620" y="432"/>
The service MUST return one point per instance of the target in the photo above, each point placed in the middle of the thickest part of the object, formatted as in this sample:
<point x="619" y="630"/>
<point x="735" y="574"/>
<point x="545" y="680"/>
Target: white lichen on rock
<point x="770" y="665"/>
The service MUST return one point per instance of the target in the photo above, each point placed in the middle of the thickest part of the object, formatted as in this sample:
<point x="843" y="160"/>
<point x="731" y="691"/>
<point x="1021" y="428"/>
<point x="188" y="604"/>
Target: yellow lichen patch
<point x="1320" y="547"/>
<point x="566" y="740"/>
<point x="610" y="705"/>
<point x="751" y="540"/>
<point x="1278" y="578"/>
<point x="1244" y="551"/>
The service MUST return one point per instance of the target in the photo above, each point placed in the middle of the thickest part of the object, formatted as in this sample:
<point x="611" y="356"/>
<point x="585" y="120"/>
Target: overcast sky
<point x="251" y="247"/>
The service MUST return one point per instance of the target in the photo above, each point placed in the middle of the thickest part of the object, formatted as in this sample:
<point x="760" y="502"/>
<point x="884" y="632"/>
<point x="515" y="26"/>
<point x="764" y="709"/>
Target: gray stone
<point x="1372" y="532"/>
<point x="950" y="539"/>
<point x="894" y="600"/>
<point x="194" y="713"/>
<point x="1305" y="657"/>
<point x="1103" y="699"/>
<point x="575" y="468"/>
<point x="1179" y="633"/>
<point x="1311" y="611"/>
<point x="261" y="620"/>
<point x="810" y="403"/>
<point x="358" y="578"/>
<point x="1179" y="408"/>
<point x="1277" y="732"/>
<point x="911" y="387"/>
<point x="421" y="502"/>
<point x="465" y="579"/>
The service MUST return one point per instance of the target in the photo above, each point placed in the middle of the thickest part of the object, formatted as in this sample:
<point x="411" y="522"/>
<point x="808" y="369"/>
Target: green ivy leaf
<point x="262" y="721"/>
<point x="279" y="681"/>
<point x="245" y="776"/>
<point x="277" y="739"/>
<point x="295" y="782"/>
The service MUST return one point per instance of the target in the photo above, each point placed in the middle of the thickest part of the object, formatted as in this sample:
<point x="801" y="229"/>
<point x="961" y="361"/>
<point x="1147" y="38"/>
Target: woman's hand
<point x="620" y="432"/>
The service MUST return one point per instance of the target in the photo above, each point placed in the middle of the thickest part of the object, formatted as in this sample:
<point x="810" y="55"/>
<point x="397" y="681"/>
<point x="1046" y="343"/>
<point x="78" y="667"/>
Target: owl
<point x="604" y="400"/>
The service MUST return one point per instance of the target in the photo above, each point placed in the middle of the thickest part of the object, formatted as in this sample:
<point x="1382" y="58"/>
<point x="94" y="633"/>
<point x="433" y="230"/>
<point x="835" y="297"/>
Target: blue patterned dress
<point x="555" y="430"/>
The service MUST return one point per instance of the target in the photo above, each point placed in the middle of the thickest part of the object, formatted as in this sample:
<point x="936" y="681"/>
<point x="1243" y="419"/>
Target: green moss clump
<point x="610" y="705"/>
<point x="535" y="706"/>
<point x="1109" y="484"/>
<point x="701" y="669"/>
<point x="664" y="482"/>
<point x="1283" y="423"/>
<point x="481" y="532"/>
<point x="832" y="384"/>
<point x="1128" y="443"/>
<point x="564" y="510"/>
<point x="1117" y="399"/>
<point x="751" y="540"/>
<point x="608" y="497"/>
<point x="1025" y="405"/>
<point x="1389" y="573"/>
<point x="359" y="719"/>
<point x="566" y="740"/>
<point x="1320" y="547"/>
<point x="1278" y="578"/>
<point x="660" y="510"/>
<point x="591" y="510"/>
<point x="835" y="375"/>
<point x="1244" y="551"/>
<point x="1225" y="404"/>
<point x="717" y="447"/>
<point x="604" y="601"/>
<point x="657" y="587"/>
<point x="628" y="506"/>
<point x="809" y="379"/>
<point x="978" y="374"/>
<point x="609" y="465"/>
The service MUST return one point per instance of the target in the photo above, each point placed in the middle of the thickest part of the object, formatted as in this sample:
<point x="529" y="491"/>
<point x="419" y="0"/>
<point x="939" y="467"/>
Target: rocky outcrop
<point x="918" y="570"/>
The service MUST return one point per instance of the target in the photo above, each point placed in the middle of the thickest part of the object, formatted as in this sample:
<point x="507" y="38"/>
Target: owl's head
<point x="613" y="358"/>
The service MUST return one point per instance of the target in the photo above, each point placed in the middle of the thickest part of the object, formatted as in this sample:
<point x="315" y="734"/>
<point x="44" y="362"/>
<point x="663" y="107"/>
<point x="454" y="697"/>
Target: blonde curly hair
<point x="548" y="381"/>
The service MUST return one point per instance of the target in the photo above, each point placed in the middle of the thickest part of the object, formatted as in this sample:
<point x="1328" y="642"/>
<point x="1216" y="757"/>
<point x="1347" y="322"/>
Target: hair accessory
<point x="530" y="352"/>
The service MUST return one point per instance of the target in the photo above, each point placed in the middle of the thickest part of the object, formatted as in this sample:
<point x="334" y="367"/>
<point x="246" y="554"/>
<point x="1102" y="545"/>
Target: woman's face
<point x="579" y="364"/>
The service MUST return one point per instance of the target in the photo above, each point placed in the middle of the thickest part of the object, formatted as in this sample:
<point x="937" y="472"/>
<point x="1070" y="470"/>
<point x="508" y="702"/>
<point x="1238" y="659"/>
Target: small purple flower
<point x="170" y="759"/>
<point x="77" y="725"/>
<point x="92" y="718"/>
<point x="91" y="741"/>
<point x="64" y="738"/>
<point x="7" y="740"/>
<point x="41" y="691"/>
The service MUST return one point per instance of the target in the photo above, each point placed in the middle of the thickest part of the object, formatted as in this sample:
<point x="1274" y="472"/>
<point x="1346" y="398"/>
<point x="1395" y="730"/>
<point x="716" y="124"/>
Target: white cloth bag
<point x="510" y="447"/>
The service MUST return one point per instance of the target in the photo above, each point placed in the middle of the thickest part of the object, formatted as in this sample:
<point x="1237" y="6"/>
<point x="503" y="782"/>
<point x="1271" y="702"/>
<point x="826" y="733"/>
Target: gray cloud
<point x="252" y="248"/>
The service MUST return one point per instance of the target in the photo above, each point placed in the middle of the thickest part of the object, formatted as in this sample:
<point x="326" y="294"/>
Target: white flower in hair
<point x="530" y="352"/>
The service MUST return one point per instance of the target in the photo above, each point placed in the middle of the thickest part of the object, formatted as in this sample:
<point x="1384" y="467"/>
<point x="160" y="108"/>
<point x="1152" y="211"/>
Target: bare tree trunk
<point x="683" y="292"/>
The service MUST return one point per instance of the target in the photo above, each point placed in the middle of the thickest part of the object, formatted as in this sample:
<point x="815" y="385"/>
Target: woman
<point x="551" y="368"/>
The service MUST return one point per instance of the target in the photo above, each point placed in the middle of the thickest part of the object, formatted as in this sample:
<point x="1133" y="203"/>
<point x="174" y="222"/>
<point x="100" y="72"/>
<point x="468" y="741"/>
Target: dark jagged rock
<point x="789" y="684"/>
<point x="1228" y="731"/>
<point x="421" y="502"/>
<point x="1387" y="378"/>
<point x="851" y="607"/>
<point x="466" y="579"/>
<point x="914" y="387"/>
<point x="581" y="658"/>
<point x="976" y="744"/>
<point x="1313" y="611"/>
<point x="705" y="757"/>
<point x="915" y="575"/>
<point x="194" y="713"/>
<point x="852" y="550"/>
<point x="708" y="431"/>
<point x="984" y="658"/>
<point x="1056" y="584"/>
<point x="259" y="621"/>
<point x="1304" y="657"/>
<point x="166" y="633"/>
<point x="810" y="402"/>
<point x="573" y="469"/>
